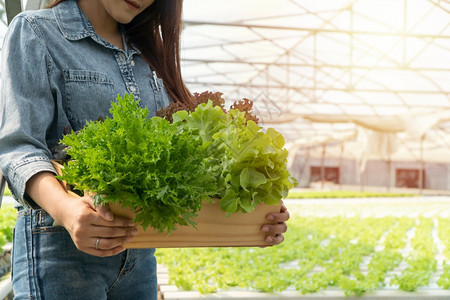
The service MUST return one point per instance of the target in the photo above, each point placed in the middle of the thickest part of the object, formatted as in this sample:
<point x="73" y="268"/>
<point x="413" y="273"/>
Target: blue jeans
<point x="47" y="265"/>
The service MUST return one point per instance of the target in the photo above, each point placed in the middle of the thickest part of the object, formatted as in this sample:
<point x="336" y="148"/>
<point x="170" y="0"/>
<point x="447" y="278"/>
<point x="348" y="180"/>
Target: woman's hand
<point x="95" y="230"/>
<point x="277" y="229"/>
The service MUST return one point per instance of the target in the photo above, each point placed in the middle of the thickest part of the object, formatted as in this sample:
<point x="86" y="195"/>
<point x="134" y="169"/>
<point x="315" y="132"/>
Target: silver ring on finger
<point x="96" y="243"/>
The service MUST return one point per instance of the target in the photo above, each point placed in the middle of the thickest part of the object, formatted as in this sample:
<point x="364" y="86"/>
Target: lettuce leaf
<point x="248" y="163"/>
<point x="159" y="170"/>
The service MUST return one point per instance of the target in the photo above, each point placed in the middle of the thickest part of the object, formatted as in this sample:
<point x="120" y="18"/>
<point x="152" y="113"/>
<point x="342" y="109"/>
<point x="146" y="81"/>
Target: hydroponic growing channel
<point x="388" y="248"/>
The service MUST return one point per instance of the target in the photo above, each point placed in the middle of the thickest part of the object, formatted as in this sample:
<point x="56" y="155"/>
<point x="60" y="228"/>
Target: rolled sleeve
<point x="22" y="171"/>
<point x="27" y="107"/>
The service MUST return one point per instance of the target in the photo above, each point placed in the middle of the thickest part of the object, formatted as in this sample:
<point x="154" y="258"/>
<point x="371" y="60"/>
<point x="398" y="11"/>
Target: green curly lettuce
<point x="160" y="171"/>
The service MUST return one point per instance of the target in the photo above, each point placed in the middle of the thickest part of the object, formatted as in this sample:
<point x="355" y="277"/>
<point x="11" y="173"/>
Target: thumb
<point x="104" y="212"/>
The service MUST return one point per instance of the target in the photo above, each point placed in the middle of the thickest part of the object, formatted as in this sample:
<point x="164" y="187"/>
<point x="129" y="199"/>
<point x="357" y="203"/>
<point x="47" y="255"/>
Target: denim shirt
<point x="56" y="71"/>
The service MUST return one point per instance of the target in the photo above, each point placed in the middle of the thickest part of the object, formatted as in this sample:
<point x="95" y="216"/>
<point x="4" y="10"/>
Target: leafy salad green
<point x="151" y="166"/>
<point x="249" y="164"/>
<point x="164" y="170"/>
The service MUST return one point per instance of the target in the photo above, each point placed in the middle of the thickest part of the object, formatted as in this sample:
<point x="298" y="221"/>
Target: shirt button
<point x="122" y="57"/>
<point x="132" y="63"/>
<point x="133" y="89"/>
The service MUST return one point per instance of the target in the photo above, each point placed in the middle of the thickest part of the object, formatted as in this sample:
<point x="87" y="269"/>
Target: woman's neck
<point x="104" y="25"/>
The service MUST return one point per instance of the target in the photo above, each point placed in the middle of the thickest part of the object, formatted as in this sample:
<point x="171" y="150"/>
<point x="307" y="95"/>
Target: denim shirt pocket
<point x="88" y="96"/>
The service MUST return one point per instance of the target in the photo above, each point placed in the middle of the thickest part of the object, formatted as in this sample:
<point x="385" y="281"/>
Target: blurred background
<point x="359" y="88"/>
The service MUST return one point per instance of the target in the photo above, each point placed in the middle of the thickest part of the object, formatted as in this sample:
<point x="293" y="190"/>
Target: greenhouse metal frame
<point x="354" y="80"/>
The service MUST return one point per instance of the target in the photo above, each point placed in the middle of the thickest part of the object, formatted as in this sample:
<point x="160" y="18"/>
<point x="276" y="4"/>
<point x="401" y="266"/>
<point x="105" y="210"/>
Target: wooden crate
<point x="214" y="228"/>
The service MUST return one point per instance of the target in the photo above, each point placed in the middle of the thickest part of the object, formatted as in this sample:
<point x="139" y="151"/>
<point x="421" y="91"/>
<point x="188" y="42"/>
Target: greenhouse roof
<point x="320" y="71"/>
<point x="323" y="72"/>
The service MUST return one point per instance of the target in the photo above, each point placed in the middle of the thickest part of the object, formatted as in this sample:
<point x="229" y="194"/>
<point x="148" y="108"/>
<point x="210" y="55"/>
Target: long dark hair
<point x="156" y="33"/>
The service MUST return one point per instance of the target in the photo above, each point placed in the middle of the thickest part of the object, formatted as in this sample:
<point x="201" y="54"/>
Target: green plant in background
<point x="2" y="12"/>
<point x="356" y="255"/>
<point x="7" y="192"/>
<point x="341" y="194"/>
<point x="7" y="222"/>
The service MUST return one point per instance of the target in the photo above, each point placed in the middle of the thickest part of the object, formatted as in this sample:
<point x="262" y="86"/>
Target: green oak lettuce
<point x="248" y="163"/>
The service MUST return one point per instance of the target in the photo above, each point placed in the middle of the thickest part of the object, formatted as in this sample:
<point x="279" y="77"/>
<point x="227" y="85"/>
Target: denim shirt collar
<point x="74" y="25"/>
<point x="71" y="20"/>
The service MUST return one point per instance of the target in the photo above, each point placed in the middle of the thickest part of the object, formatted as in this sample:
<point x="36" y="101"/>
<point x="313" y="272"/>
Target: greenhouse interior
<point x="360" y="92"/>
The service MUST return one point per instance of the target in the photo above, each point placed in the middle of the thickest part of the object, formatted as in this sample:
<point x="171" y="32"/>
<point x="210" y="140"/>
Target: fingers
<point x="275" y="231"/>
<point x="88" y="224"/>
<point x="108" y="243"/>
<point x="107" y="246"/>
<point x="105" y="253"/>
<point x="103" y="246"/>
<point x="275" y="240"/>
<point x="274" y="228"/>
<point x="112" y="232"/>
<point x="104" y="212"/>
<point x="104" y="241"/>
<point x="110" y="239"/>
<point x="103" y="215"/>
<point x="282" y="216"/>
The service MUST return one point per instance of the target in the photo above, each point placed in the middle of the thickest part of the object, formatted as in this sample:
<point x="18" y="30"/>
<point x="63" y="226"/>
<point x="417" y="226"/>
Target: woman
<point x="61" y="68"/>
